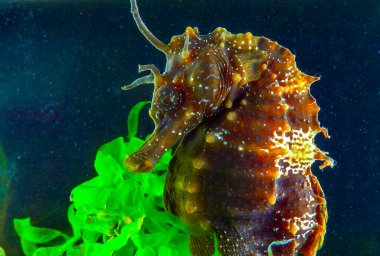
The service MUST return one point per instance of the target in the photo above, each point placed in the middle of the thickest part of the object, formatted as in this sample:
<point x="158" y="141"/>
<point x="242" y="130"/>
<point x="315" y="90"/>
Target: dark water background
<point x="62" y="64"/>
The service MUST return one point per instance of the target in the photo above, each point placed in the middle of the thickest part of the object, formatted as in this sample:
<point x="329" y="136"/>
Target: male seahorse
<point x="246" y="123"/>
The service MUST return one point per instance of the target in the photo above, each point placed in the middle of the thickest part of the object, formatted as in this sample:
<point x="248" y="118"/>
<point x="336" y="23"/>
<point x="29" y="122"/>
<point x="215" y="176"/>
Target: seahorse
<point x="245" y="122"/>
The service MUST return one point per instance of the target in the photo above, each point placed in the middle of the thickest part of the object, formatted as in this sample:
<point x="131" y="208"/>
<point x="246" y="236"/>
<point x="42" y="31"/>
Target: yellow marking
<point x="219" y="29"/>
<point x="192" y="187"/>
<point x="210" y="138"/>
<point x="190" y="207"/>
<point x="148" y="163"/>
<point x="185" y="56"/>
<point x="229" y="104"/>
<point x="204" y="224"/>
<point x="293" y="228"/>
<point x="276" y="175"/>
<point x="176" y="79"/>
<point x="232" y="116"/>
<point x="180" y="182"/>
<point x="272" y="76"/>
<point x="189" y="114"/>
<point x="244" y="102"/>
<point x="190" y="31"/>
<point x="272" y="199"/>
<point x="263" y="67"/>
<point x="198" y="163"/>
<point x="248" y="35"/>
<point x="158" y="80"/>
<point x="127" y="220"/>
<point x="130" y="164"/>
<point x="236" y="78"/>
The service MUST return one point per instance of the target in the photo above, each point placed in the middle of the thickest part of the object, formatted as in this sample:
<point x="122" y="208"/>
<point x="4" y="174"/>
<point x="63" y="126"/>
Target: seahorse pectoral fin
<point x="253" y="70"/>
<point x="252" y="63"/>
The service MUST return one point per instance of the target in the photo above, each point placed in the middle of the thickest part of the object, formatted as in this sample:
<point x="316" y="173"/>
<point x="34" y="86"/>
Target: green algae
<point x="3" y="158"/>
<point x="2" y="252"/>
<point x="216" y="252"/>
<point x="5" y="184"/>
<point x="133" y="118"/>
<point x="115" y="213"/>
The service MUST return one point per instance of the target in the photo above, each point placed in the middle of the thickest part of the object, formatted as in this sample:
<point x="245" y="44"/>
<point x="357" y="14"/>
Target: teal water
<point x="62" y="64"/>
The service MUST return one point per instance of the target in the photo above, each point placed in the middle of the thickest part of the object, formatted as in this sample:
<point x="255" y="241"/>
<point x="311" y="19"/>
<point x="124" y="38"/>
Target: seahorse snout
<point x="138" y="163"/>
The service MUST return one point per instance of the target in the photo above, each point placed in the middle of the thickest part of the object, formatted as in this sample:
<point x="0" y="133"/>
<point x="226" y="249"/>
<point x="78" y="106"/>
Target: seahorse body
<point x="246" y="121"/>
<point x="245" y="172"/>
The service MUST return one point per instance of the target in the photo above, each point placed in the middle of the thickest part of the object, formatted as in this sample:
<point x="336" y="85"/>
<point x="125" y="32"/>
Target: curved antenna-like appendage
<point x="145" y="31"/>
<point x="149" y="79"/>
<point x="149" y="67"/>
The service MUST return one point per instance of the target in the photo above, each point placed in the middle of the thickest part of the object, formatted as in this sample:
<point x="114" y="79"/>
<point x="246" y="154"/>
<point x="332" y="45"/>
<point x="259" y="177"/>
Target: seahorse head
<point x="196" y="82"/>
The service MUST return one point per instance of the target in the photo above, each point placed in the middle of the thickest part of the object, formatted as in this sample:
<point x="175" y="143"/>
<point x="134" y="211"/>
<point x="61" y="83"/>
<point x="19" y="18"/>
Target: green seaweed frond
<point x="3" y="158"/>
<point x="115" y="213"/>
<point x="2" y="252"/>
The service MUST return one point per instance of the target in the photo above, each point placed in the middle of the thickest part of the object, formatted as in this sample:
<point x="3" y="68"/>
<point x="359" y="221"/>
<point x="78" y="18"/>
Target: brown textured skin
<point x="242" y="169"/>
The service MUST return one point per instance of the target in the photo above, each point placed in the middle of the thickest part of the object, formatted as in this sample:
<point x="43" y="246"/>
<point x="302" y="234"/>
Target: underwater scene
<point x="189" y="127"/>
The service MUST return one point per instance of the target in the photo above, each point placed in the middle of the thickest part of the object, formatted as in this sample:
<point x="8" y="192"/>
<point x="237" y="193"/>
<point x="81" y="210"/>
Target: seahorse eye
<point x="169" y="98"/>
